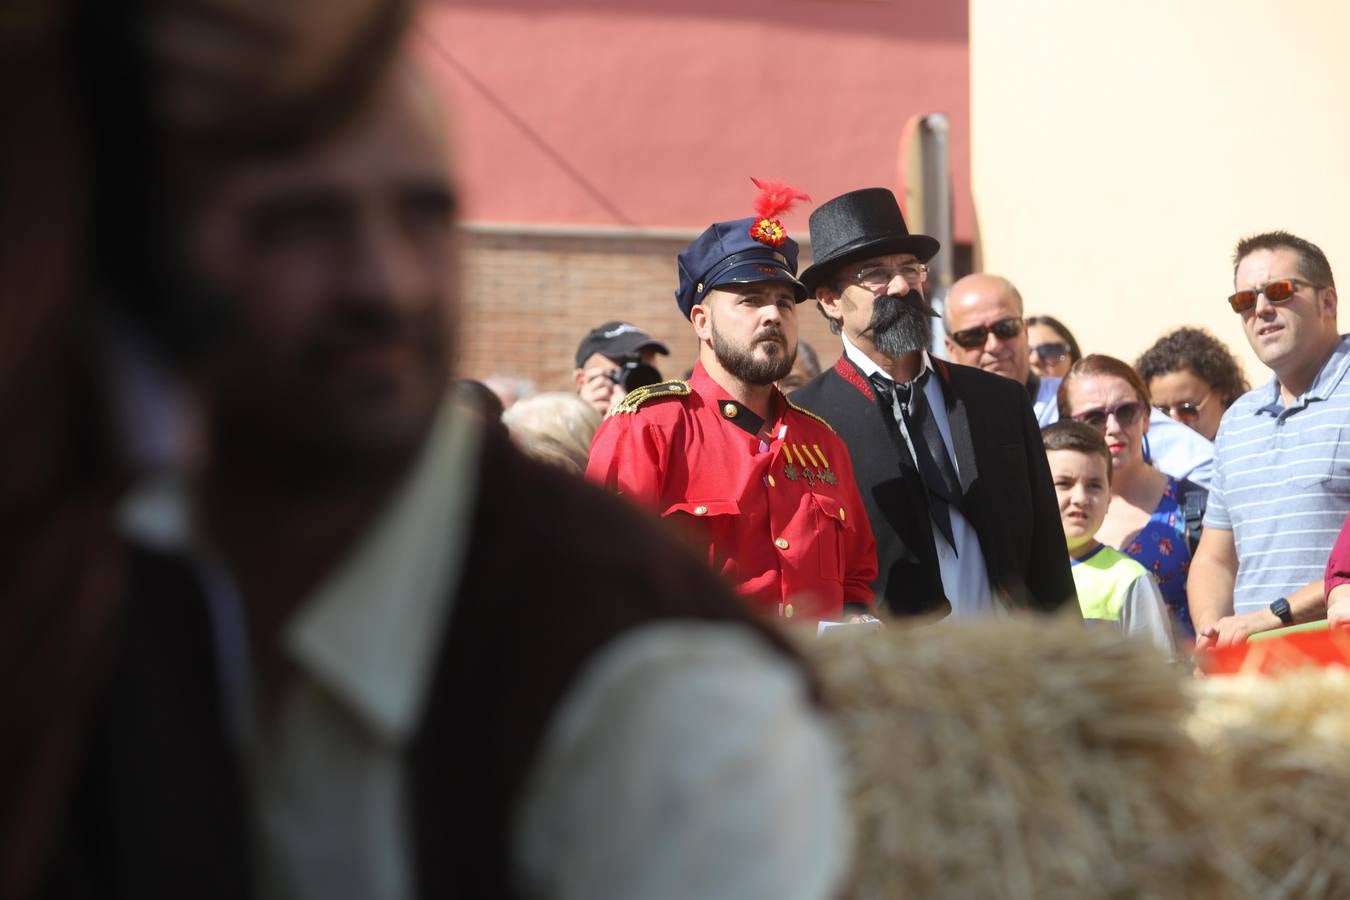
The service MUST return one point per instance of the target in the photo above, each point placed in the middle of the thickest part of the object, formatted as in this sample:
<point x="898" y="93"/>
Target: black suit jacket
<point x="1008" y="496"/>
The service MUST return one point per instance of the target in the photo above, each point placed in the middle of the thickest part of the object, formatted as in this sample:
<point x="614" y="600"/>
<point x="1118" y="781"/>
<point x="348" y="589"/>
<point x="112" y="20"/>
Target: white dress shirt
<point x="964" y="577"/>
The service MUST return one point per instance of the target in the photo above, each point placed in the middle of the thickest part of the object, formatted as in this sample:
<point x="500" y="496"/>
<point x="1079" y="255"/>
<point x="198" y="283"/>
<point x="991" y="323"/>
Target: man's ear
<point x="579" y="378"/>
<point x="1328" y="303"/>
<point x="701" y="318"/>
<point x="828" y="301"/>
<point x="951" y="346"/>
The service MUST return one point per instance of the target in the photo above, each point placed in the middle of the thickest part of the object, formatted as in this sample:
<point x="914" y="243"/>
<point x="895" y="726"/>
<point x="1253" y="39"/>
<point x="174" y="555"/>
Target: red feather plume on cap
<point x="774" y="199"/>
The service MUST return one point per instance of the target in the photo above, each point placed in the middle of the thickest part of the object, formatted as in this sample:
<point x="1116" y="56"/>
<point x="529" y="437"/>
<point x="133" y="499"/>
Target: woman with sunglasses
<point x="1052" y="346"/>
<point x="1193" y="378"/>
<point x="1145" y="519"/>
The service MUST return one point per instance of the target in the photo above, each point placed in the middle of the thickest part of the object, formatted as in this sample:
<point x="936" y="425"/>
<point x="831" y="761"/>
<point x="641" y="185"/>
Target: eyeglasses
<point x="1052" y="354"/>
<point x="1126" y="415"/>
<point x="1276" y="292"/>
<point x="875" y="277"/>
<point x="1003" y="329"/>
<point x="1185" y="411"/>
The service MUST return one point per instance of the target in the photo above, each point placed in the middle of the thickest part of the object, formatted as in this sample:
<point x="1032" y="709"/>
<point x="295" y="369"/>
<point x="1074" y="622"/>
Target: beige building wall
<point x="1119" y="150"/>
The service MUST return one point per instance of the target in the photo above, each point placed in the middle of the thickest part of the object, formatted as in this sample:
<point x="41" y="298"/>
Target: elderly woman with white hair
<point x="556" y="428"/>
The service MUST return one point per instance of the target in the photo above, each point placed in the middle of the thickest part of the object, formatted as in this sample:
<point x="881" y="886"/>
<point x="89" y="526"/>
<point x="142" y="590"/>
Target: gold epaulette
<point x="659" y="391"/>
<point x="807" y="412"/>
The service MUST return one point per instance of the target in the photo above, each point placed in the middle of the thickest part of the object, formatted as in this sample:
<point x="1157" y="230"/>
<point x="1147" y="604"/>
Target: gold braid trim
<point x="807" y="412"/>
<point x="660" y="391"/>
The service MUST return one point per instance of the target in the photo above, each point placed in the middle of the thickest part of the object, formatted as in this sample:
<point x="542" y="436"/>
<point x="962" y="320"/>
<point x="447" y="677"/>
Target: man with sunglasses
<point x="948" y="458"/>
<point x="986" y="329"/>
<point x="1281" y="485"/>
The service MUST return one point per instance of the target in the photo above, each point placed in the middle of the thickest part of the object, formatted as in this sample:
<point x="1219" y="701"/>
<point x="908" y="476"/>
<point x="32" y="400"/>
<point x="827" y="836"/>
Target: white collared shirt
<point x="685" y="761"/>
<point x="964" y="576"/>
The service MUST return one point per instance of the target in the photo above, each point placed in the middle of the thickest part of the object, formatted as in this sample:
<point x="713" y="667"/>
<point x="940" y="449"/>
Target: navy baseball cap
<point x="727" y="254"/>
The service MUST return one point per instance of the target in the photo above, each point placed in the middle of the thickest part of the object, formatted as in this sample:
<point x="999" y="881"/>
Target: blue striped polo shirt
<point x="1282" y="482"/>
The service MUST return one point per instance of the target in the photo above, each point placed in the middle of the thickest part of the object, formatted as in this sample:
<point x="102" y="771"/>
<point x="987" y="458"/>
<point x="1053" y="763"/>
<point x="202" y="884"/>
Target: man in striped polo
<point x="1281" y="486"/>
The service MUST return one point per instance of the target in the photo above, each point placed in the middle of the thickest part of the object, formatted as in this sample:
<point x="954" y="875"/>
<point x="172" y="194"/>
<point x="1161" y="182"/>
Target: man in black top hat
<point x="948" y="458"/>
<point x="614" y="359"/>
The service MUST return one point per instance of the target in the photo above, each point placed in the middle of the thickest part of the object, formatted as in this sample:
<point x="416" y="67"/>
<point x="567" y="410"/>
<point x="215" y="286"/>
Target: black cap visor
<point x="750" y="271"/>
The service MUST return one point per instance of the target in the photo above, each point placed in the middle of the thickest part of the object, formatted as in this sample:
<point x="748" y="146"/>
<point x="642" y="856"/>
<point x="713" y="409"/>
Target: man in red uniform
<point x="762" y="487"/>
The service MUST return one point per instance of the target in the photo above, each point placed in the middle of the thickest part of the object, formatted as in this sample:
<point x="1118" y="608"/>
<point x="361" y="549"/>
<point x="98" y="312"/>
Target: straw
<point x="1281" y="752"/>
<point x="1022" y="759"/>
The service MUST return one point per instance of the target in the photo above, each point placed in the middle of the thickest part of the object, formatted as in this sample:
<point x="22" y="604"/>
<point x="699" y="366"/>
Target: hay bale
<point x="1280" y="747"/>
<point x="1021" y="759"/>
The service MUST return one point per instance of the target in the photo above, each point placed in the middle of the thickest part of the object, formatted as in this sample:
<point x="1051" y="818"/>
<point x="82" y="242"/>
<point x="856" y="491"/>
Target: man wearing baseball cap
<point x="762" y="488"/>
<point x="613" y="359"/>
<point x="950" y="460"/>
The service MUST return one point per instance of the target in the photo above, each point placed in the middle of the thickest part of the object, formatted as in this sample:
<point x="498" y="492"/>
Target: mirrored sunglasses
<point x="1276" y="292"/>
<point x="972" y="338"/>
<point x="1126" y="415"/>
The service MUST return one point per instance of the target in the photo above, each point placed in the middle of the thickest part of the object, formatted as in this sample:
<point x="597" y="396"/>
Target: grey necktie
<point x="930" y="453"/>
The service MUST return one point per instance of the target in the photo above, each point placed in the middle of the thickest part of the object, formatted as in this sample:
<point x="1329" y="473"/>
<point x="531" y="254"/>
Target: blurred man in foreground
<point x="300" y="704"/>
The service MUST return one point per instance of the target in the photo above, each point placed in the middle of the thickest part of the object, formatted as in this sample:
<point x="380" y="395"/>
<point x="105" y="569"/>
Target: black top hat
<point x="858" y="225"/>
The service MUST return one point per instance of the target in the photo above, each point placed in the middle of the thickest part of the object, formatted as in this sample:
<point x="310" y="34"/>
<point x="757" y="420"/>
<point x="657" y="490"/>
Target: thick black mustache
<point x="889" y="309"/>
<point x="771" y="332"/>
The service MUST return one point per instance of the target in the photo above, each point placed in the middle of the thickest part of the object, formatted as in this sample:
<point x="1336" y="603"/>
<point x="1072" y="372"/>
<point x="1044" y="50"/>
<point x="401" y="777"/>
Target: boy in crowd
<point x="1110" y="585"/>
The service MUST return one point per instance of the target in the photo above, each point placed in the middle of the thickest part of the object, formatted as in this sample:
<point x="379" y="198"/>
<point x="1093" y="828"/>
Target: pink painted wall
<point x="654" y="114"/>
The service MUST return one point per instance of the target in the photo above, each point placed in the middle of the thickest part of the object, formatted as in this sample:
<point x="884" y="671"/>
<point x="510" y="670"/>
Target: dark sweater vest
<point x="556" y="569"/>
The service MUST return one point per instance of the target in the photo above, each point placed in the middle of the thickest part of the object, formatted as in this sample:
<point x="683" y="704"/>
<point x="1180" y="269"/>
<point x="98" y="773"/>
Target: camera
<point x="632" y="375"/>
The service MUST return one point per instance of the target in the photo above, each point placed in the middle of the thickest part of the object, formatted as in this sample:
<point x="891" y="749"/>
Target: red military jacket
<point x="773" y="505"/>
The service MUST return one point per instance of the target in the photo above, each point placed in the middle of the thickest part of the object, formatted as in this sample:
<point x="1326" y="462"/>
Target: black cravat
<point x="930" y="453"/>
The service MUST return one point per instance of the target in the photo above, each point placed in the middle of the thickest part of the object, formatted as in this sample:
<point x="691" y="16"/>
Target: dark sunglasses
<point x="1126" y="414"/>
<point x="1052" y="354"/>
<point x="971" y="338"/>
<point x="1275" y="291"/>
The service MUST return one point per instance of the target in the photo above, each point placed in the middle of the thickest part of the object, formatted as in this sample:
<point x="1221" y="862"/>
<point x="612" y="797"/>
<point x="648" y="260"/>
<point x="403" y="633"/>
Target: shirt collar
<point x="735" y="412"/>
<point x="369" y="633"/>
<point x="869" y="366"/>
<point x="1324" y="384"/>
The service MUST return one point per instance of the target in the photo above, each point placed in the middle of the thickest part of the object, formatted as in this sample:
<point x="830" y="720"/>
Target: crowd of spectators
<point x="1159" y="490"/>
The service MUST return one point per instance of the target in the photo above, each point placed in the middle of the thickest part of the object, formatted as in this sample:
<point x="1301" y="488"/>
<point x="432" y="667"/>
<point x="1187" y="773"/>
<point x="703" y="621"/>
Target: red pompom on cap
<point x="774" y="199"/>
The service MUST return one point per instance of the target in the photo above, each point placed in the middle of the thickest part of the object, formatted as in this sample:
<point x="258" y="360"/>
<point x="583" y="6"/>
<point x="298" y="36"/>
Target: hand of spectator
<point x="1338" y="607"/>
<point x="1232" y="630"/>
<point x="598" y="390"/>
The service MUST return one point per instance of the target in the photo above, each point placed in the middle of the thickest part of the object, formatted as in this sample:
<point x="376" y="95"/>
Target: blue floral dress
<point x="1161" y="548"/>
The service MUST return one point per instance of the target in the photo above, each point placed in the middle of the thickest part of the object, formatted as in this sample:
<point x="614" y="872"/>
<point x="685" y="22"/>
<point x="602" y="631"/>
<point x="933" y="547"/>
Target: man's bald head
<point x="978" y="307"/>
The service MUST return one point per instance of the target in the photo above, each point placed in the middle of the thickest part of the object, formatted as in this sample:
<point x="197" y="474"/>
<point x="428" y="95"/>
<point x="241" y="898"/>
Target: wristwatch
<point x="1281" y="609"/>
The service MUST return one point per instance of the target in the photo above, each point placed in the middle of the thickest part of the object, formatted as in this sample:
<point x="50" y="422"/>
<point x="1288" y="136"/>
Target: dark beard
<point x="900" y="325"/>
<point x="742" y="364"/>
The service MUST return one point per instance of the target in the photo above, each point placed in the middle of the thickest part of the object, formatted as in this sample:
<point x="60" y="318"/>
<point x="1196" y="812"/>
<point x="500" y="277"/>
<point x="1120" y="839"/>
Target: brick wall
<point x="530" y="295"/>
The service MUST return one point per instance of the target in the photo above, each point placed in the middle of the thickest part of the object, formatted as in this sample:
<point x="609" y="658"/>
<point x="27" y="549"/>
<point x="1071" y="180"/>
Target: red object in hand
<point x="1322" y="649"/>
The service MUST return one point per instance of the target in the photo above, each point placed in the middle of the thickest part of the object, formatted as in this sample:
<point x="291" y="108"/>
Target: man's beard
<point x="900" y="325"/>
<point x="316" y="416"/>
<point x="742" y="363"/>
